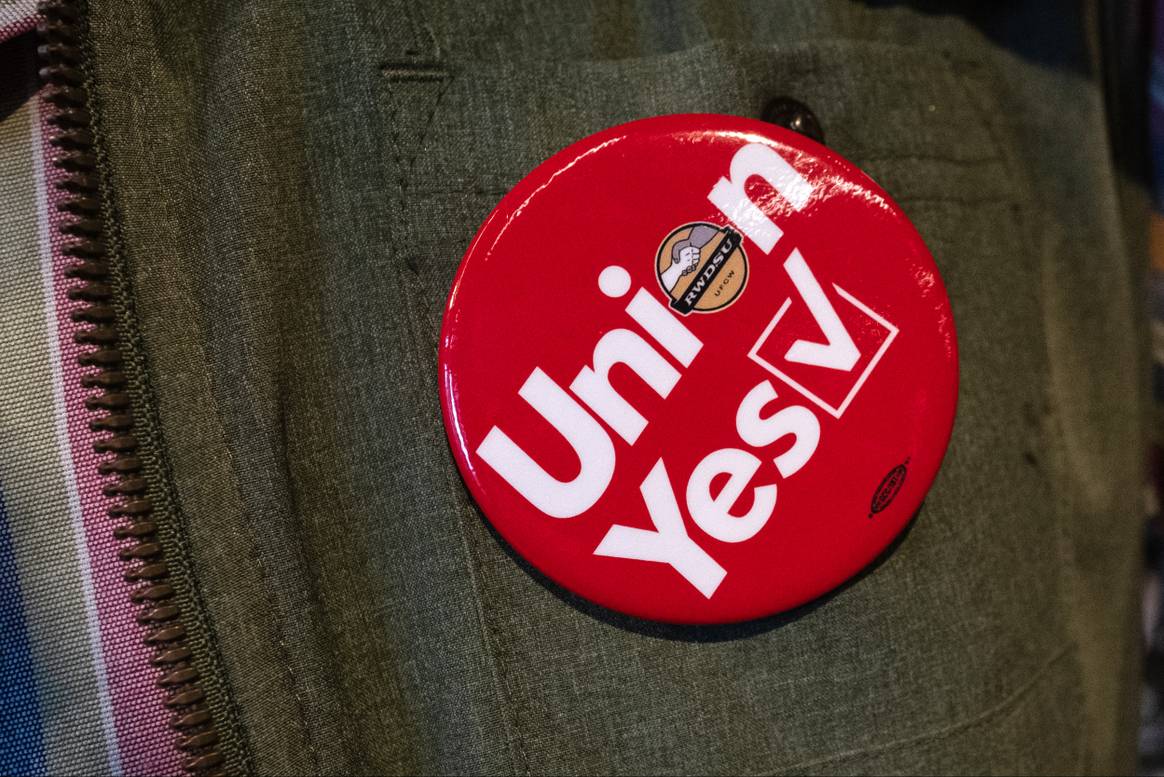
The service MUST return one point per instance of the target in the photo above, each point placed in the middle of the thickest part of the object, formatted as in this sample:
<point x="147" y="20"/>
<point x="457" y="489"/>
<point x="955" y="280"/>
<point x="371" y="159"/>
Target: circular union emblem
<point x="698" y="468"/>
<point x="702" y="267"/>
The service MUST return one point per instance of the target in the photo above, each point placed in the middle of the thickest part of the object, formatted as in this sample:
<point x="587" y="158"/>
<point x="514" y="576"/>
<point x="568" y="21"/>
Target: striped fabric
<point x="78" y="694"/>
<point x="16" y="17"/>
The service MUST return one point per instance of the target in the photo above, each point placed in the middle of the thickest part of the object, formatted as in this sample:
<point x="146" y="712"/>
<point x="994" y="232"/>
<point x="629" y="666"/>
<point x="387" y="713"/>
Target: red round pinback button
<point x="698" y="369"/>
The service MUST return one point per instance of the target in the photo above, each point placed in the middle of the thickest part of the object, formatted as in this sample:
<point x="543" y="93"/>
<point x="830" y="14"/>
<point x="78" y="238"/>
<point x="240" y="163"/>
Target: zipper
<point x="108" y="375"/>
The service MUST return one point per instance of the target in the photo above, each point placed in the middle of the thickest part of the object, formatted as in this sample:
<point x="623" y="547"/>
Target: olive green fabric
<point x="296" y="184"/>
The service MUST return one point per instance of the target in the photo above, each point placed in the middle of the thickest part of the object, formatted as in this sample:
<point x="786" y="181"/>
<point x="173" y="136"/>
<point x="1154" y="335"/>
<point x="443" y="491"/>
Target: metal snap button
<point x="792" y="114"/>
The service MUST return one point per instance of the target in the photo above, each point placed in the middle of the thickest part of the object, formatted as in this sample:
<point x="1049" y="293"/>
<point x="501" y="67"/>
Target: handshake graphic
<point x="685" y="254"/>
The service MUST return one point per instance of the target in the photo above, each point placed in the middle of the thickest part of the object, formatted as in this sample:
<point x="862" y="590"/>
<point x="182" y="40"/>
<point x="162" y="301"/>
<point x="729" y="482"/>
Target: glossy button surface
<point x="698" y="369"/>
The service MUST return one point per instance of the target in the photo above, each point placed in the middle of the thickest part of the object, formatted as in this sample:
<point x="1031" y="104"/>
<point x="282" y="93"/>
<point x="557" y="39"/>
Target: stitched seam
<point x="316" y="596"/>
<point x="497" y="656"/>
<point x="396" y="72"/>
<point x="434" y="73"/>
<point x="131" y="470"/>
<point x="968" y="162"/>
<point x="1023" y="213"/>
<point x="450" y="77"/>
<point x="976" y="201"/>
<point x="1005" y="706"/>
<point x="498" y="191"/>
<point x="253" y="555"/>
<point x="489" y="638"/>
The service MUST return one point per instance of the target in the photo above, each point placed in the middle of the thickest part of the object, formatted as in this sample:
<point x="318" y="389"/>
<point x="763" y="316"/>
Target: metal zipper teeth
<point x="62" y="54"/>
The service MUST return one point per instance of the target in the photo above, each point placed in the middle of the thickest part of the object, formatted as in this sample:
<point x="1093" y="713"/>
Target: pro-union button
<point x="698" y="369"/>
